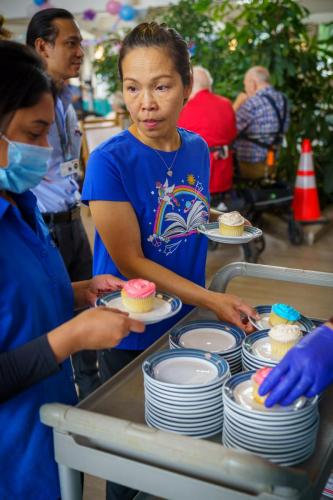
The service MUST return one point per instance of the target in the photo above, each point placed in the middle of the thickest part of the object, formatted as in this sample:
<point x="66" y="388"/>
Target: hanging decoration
<point x="89" y="15"/>
<point x="39" y="3"/>
<point x="127" y="13"/>
<point x="113" y="7"/>
<point x="192" y="48"/>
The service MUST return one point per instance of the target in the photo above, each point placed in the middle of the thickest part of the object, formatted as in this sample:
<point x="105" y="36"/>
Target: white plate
<point x="305" y="324"/>
<point x="278" y="433"/>
<point x="211" y="230"/>
<point x="165" y="306"/>
<point x="204" y="370"/>
<point x="185" y="371"/>
<point x="197" y="411"/>
<point x="298" y="455"/>
<point x="203" y="431"/>
<point x="243" y="394"/>
<point x="262" y="348"/>
<point x="185" y="420"/>
<point x="208" y="339"/>
<point x="271" y="446"/>
<point x="184" y="398"/>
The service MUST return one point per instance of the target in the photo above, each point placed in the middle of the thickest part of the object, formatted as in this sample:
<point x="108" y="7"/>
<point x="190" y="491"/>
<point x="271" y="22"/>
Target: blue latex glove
<point x="306" y="370"/>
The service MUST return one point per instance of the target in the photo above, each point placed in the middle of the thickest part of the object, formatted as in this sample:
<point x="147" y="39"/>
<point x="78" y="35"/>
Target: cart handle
<point x="227" y="273"/>
<point x="207" y="460"/>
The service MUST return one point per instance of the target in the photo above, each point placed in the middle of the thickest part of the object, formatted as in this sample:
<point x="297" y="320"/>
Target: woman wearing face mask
<point x="37" y="299"/>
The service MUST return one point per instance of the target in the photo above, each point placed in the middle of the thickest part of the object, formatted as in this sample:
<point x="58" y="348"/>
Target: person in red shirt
<point x="212" y="116"/>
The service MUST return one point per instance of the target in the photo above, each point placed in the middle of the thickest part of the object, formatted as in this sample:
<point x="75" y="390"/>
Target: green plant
<point x="228" y="38"/>
<point x="272" y="33"/>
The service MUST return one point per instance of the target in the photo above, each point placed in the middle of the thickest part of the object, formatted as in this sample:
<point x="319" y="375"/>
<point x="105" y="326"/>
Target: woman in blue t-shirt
<point x="147" y="188"/>
<point x="37" y="299"/>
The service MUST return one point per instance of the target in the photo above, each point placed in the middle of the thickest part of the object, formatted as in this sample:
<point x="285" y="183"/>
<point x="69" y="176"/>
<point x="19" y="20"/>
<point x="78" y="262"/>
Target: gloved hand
<point x="306" y="370"/>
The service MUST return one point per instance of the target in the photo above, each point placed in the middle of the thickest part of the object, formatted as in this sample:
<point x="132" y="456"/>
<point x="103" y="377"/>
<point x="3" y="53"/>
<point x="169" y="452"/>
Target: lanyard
<point x="64" y="136"/>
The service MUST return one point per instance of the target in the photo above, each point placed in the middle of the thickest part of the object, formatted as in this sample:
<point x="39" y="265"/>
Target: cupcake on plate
<point x="231" y="224"/>
<point x="282" y="338"/>
<point x="257" y="380"/>
<point x="138" y="295"/>
<point x="283" y="314"/>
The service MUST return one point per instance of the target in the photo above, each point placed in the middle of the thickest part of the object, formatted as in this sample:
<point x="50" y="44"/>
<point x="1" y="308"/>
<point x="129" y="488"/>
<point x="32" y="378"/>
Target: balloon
<point x="127" y="13"/>
<point x="89" y="14"/>
<point x="192" y="48"/>
<point x="113" y="7"/>
<point x="39" y="2"/>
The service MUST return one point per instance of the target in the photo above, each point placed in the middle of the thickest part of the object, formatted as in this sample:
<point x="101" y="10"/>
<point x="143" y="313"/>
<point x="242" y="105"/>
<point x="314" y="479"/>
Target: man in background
<point x="262" y="119"/>
<point x="56" y="37"/>
<point x="212" y="117"/>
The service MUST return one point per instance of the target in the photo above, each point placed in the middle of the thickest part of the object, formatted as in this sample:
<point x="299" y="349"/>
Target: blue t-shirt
<point x="35" y="297"/>
<point x="168" y="208"/>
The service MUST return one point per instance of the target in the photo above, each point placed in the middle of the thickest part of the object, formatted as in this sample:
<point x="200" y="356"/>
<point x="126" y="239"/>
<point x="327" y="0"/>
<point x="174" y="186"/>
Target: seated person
<point x="262" y="117"/>
<point x="212" y="117"/>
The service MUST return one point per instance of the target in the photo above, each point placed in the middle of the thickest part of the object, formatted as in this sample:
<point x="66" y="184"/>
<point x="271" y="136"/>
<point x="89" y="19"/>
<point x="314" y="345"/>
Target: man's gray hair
<point x="260" y="73"/>
<point x="202" y="79"/>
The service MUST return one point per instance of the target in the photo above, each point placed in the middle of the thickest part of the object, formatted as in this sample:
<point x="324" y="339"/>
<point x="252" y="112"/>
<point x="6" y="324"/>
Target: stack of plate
<point x="284" y="435"/>
<point x="220" y="338"/>
<point x="183" y="391"/>
<point x="256" y="351"/>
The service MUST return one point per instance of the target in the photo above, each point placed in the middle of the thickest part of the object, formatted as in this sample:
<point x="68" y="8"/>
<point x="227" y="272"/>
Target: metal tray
<point x="106" y="435"/>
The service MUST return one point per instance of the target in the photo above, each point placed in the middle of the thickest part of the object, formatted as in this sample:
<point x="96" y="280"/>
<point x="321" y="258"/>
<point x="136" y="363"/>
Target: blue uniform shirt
<point x="56" y="193"/>
<point x="168" y="209"/>
<point x="35" y="297"/>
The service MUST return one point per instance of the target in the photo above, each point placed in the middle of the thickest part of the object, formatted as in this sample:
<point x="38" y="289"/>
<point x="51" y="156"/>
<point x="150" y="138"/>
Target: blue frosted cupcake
<point x="282" y="314"/>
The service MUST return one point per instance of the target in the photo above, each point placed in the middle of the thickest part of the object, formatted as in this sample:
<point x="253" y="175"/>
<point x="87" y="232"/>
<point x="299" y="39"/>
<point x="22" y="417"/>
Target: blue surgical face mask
<point x="27" y="165"/>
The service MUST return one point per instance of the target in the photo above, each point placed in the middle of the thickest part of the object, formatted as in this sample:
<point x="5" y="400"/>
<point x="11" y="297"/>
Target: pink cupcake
<point x="257" y="380"/>
<point x="138" y="295"/>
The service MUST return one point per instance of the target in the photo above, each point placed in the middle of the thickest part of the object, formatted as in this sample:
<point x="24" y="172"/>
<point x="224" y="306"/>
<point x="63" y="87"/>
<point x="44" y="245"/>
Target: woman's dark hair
<point x="23" y="79"/>
<point x="159" y="35"/>
<point x="41" y="25"/>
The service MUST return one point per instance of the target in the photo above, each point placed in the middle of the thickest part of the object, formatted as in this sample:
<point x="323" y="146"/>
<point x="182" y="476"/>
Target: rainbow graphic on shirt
<point x="181" y="209"/>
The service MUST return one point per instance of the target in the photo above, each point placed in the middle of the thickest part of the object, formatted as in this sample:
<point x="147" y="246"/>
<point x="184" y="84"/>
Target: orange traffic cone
<point x="306" y="203"/>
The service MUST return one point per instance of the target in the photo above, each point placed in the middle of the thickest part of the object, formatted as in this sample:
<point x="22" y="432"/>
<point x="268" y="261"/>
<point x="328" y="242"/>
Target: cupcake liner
<point x="275" y="319"/>
<point x="256" y="397"/>
<point x="279" y="349"/>
<point x="231" y="230"/>
<point x="138" y="304"/>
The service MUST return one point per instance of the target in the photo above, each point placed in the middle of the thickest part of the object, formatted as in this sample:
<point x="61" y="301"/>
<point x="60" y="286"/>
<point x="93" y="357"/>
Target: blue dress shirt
<point x="35" y="297"/>
<point x="56" y="193"/>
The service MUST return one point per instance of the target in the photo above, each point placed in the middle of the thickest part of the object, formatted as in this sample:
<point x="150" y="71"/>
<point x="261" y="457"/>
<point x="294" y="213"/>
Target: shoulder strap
<point x="278" y="134"/>
<point x="280" y="118"/>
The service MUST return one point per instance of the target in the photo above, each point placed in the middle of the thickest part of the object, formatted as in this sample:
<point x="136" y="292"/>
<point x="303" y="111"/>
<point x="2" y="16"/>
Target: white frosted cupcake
<point x="283" y="338"/>
<point x="231" y="224"/>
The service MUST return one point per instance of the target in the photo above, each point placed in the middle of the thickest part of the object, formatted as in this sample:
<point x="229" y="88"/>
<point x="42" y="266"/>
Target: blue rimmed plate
<point x="257" y="346"/>
<point x="211" y="336"/>
<point x="305" y="324"/>
<point x="165" y="306"/>
<point x="237" y="393"/>
<point x="211" y="231"/>
<point x="185" y="368"/>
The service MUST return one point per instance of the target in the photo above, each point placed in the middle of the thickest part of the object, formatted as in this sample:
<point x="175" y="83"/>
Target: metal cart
<point x="106" y="435"/>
